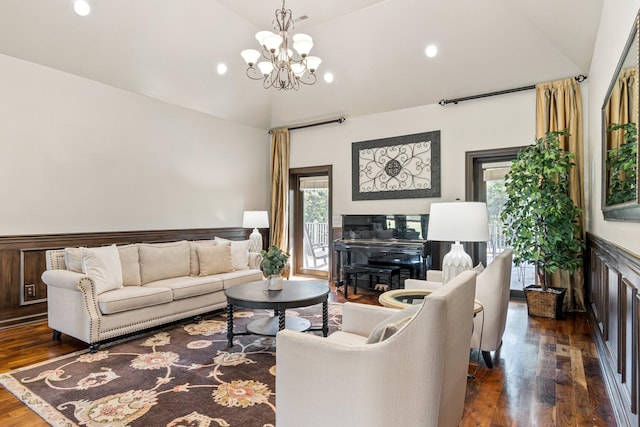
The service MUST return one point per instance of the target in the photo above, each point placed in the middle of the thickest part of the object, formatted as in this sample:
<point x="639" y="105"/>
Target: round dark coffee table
<point x="295" y="293"/>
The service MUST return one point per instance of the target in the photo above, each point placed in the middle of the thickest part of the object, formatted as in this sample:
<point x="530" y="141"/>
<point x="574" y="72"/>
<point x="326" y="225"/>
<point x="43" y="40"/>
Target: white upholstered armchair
<point x="415" y="377"/>
<point x="492" y="291"/>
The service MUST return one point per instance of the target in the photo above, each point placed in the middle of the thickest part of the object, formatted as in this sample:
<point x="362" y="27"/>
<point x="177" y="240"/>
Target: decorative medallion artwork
<point x="400" y="167"/>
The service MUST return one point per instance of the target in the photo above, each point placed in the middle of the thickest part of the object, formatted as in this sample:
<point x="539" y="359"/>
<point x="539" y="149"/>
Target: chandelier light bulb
<point x="328" y="77"/>
<point x="222" y="69"/>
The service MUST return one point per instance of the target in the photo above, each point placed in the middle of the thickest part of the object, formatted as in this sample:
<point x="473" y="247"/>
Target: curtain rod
<point x="340" y="119"/>
<point x="580" y="78"/>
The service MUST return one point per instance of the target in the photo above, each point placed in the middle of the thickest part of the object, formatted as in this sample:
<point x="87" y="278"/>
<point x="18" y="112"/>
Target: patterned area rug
<point x="179" y="376"/>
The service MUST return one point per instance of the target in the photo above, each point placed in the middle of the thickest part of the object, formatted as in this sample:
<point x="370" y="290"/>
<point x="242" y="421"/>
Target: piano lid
<point x="385" y="227"/>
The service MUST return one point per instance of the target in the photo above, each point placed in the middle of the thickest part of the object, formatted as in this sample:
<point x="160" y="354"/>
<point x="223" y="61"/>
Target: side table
<point x="402" y="298"/>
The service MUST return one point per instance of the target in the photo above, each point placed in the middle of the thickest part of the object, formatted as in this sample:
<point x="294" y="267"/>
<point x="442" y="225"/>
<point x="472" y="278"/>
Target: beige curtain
<point x="621" y="107"/>
<point x="558" y="107"/>
<point x="280" y="188"/>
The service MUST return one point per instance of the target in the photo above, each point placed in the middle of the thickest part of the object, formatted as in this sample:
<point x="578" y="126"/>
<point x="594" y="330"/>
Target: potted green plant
<point x="622" y="165"/>
<point x="273" y="264"/>
<point x="541" y="219"/>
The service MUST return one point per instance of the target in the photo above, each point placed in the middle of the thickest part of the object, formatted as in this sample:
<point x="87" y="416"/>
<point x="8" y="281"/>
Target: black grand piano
<point x="382" y="246"/>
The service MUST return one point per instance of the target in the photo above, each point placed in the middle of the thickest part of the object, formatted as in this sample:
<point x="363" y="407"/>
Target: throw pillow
<point x="239" y="252"/>
<point x="214" y="259"/>
<point x="392" y="324"/>
<point x="103" y="266"/>
<point x="164" y="260"/>
<point x="73" y="259"/>
<point x="478" y="268"/>
<point x="130" y="263"/>
<point x="195" y="263"/>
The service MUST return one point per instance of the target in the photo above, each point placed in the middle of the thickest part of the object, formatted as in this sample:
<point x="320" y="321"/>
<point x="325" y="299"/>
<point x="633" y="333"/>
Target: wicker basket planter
<point x="543" y="303"/>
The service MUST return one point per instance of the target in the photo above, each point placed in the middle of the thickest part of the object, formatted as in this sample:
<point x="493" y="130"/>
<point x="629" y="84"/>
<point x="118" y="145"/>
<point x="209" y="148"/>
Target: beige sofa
<point x="98" y="294"/>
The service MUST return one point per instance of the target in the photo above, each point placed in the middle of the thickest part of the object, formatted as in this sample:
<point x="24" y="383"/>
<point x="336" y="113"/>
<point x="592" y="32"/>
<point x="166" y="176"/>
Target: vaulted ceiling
<point x="169" y="50"/>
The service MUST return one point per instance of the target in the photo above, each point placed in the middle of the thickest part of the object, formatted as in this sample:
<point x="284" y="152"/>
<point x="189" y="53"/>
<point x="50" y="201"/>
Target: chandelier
<point x="282" y="67"/>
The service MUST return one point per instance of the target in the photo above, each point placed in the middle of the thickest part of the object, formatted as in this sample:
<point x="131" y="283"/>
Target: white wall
<point x="77" y="155"/>
<point x="615" y="25"/>
<point x="496" y="122"/>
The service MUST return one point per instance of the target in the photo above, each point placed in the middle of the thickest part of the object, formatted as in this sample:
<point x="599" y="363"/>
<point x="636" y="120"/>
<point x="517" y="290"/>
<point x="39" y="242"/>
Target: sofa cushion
<point x="215" y="259"/>
<point x="130" y="263"/>
<point x="240" y="276"/>
<point x="347" y="338"/>
<point x="392" y="324"/>
<point x="195" y="261"/>
<point x="102" y="264"/>
<point x="239" y="252"/>
<point x="73" y="259"/>
<point x="164" y="260"/>
<point x="186" y="287"/>
<point x="131" y="298"/>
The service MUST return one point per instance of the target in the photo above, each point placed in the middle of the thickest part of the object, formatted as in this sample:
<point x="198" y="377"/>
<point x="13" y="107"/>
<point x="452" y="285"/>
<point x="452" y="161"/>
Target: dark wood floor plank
<point x="546" y="372"/>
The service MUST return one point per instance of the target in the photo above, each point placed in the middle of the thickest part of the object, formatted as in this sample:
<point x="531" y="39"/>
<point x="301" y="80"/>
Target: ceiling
<point x="169" y="50"/>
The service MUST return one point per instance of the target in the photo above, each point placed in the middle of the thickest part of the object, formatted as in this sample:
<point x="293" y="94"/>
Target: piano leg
<point x="339" y="276"/>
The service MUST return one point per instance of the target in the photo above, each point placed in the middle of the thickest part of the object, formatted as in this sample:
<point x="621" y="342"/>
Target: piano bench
<point x="377" y="271"/>
<point x="410" y="264"/>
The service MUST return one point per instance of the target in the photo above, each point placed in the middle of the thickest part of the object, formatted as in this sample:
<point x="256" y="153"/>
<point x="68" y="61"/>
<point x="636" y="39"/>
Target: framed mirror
<point x="620" y="120"/>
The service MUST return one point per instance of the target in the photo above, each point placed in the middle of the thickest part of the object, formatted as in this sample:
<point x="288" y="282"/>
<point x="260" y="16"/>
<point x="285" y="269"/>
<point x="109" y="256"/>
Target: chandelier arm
<point x="266" y="84"/>
<point x="266" y="54"/>
<point x="311" y="81"/>
<point x="257" y="75"/>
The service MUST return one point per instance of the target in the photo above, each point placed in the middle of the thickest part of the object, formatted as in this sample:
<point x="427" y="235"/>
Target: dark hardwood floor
<point x="546" y="373"/>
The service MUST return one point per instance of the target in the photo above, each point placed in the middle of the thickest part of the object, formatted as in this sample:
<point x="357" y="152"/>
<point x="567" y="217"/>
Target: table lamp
<point x="458" y="222"/>
<point x="255" y="220"/>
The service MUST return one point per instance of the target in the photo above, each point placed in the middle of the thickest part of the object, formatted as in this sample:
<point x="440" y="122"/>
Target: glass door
<point x="315" y="213"/>
<point x="311" y="237"/>
<point x="487" y="185"/>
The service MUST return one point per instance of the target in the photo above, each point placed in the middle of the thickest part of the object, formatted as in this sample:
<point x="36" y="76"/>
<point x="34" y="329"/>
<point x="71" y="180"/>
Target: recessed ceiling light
<point x="222" y="69"/>
<point x="431" y="51"/>
<point x="81" y="7"/>
<point x="328" y="77"/>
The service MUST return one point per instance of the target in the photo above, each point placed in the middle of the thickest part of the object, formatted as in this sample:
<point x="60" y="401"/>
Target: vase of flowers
<point x="273" y="264"/>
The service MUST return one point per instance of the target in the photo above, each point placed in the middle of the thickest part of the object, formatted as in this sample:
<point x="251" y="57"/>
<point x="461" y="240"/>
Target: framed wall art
<point x="401" y="167"/>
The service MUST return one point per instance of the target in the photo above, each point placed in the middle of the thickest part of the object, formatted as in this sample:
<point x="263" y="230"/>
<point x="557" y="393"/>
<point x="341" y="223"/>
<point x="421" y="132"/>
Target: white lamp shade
<point x="458" y="222"/>
<point x="255" y="219"/>
<point x="262" y="35"/>
<point x="298" y="69"/>
<point x="303" y="47"/>
<point x="250" y="56"/>
<point x="272" y="42"/>
<point x="313" y="62"/>
<point x="301" y="36"/>
<point x="265" y="67"/>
